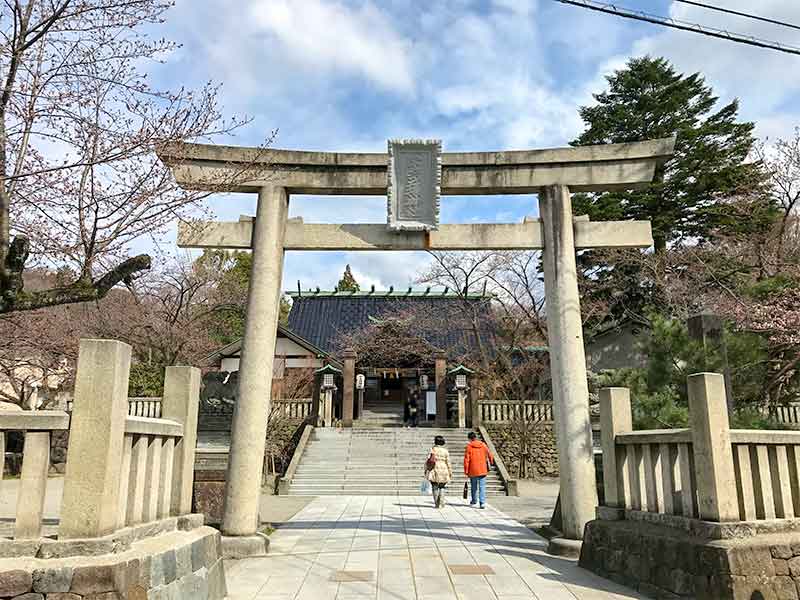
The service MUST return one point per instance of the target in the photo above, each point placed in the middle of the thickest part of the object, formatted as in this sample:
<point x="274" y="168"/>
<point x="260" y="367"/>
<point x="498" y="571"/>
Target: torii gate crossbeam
<point x="553" y="174"/>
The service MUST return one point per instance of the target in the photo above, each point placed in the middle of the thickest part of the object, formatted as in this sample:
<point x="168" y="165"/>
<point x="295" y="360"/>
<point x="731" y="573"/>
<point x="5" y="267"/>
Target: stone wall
<point x="175" y="564"/>
<point x="664" y="562"/>
<point x="543" y="454"/>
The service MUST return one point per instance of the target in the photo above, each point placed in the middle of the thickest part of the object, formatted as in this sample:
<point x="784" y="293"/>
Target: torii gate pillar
<point x="275" y="174"/>
<point x="249" y="430"/>
<point x="578" y="488"/>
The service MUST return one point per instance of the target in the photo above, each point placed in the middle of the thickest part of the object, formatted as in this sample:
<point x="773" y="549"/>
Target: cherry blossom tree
<point x="79" y="126"/>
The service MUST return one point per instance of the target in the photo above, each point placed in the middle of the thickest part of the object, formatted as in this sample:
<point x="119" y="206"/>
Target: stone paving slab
<point x="402" y="548"/>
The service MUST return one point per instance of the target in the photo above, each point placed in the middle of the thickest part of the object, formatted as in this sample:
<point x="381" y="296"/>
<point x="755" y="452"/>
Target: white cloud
<point x="322" y="34"/>
<point x="764" y="80"/>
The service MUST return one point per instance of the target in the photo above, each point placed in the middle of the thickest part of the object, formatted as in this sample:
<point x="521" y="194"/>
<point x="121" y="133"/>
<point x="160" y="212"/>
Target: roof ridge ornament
<point x="414" y="184"/>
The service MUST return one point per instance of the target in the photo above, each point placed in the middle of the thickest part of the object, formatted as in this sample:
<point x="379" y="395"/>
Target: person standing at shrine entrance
<point x="477" y="459"/>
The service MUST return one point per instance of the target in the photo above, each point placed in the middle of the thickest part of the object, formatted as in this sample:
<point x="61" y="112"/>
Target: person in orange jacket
<point x="477" y="459"/>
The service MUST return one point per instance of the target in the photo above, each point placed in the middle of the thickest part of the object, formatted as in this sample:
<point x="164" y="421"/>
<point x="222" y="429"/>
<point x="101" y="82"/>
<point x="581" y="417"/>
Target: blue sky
<point x="342" y="75"/>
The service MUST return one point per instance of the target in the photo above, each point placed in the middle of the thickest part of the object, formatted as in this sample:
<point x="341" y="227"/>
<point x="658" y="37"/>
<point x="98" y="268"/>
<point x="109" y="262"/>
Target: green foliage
<point x="662" y="408"/>
<point x="146" y="380"/>
<point x="659" y="396"/>
<point x="649" y="100"/>
<point x="227" y="323"/>
<point x="749" y="417"/>
<point x="769" y="286"/>
<point x="347" y="283"/>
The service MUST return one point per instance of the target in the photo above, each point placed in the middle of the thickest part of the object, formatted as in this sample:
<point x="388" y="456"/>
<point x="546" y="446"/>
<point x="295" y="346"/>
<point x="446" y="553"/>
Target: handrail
<point x="511" y="484"/>
<point x="763" y="437"/>
<point x="656" y="436"/>
<point x="148" y="426"/>
<point x="286" y="480"/>
<point x="39" y="420"/>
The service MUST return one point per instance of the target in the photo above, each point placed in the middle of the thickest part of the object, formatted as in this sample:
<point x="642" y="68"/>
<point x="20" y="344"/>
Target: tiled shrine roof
<point x="323" y="316"/>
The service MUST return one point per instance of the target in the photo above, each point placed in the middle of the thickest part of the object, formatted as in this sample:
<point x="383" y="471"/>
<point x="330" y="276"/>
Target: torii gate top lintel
<point x="582" y="168"/>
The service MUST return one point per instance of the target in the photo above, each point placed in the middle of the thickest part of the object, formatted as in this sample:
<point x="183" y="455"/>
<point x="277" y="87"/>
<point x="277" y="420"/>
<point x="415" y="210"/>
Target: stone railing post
<point x="475" y="407"/>
<point x="180" y="403"/>
<point x="32" y="485"/>
<point x="440" y="374"/>
<point x="90" y="504"/>
<point x="711" y="443"/>
<point x="615" y="417"/>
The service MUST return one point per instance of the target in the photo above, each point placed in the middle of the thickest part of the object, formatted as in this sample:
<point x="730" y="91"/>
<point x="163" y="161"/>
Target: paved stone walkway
<point x="390" y="548"/>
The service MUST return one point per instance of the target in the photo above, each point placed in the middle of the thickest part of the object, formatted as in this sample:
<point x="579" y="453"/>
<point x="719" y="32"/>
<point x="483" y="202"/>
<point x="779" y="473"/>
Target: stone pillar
<point x="327" y="413"/>
<point x="567" y="363"/>
<point x="348" y="386"/>
<point x="615" y="417"/>
<point x="316" y="392"/>
<point x="711" y="446"/>
<point x="32" y="485"/>
<point x="180" y="403"/>
<point x="475" y="406"/>
<point x="708" y="329"/>
<point x="90" y="504"/>
<point x="440" y="365"/>
<point x="249" y="428"/>
<point x="462" y="408"/>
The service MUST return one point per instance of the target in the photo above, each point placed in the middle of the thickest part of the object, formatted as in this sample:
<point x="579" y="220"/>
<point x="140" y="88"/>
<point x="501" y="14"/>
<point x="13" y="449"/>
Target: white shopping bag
<point x="425" y="487"/>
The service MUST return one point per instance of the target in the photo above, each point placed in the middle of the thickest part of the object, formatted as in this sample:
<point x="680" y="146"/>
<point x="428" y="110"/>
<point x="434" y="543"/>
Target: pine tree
<point x="347" y="283"/>
<point x="648" y="100"/>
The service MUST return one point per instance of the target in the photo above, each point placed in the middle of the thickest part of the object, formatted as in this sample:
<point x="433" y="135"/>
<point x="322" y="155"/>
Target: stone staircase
<point x="380" y="462"/>
<point x="381" y="413"/>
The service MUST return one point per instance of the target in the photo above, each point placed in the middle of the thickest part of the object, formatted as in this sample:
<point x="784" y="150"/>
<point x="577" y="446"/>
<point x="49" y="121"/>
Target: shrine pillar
<point x="348" y="385"/>
<point x="567" y="362"/>
<point x="249" y="429"/>
<point x="440" y="375"/>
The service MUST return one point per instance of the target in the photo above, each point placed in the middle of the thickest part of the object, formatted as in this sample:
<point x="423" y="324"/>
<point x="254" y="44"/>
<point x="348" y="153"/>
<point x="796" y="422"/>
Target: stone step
<point x="364" y="491"/>
<point x="377" y="461"/>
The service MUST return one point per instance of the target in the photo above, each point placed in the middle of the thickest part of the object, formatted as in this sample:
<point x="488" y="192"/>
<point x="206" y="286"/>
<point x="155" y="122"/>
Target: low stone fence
<point x="297" y="408"/>
<point x="703" y="512"/>
<point x="786" y="414"/>
<point x="508" y="412"/>
<point x="127" y="492"/>
<point x="137" y="407"/>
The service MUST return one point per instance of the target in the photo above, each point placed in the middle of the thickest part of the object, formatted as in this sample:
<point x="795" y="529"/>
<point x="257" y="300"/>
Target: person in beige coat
<point x="440" y="472"/>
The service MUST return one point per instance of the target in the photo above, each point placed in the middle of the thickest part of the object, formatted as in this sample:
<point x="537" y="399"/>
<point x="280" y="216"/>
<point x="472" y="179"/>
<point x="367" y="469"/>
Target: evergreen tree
<point x="648" y="100"/>
<point x="347" y="283"/>
<point x="685" y="202"/>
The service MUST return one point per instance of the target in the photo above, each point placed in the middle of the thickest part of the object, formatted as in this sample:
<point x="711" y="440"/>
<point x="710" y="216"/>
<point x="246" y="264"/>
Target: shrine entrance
<point x="413" y="175"/>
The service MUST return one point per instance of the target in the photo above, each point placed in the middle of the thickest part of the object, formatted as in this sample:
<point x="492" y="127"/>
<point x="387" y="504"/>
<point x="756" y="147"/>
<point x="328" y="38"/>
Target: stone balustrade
<point x="122" y="470"/>
<point x="299" y="408"/>
<point x="786" y="414"/>
<point x="708" y="471"/>
<point x="508" y="412"/>
<point x="37" y="427"/>
<point x="707" y="512"/>
<point x="125" y="527"/>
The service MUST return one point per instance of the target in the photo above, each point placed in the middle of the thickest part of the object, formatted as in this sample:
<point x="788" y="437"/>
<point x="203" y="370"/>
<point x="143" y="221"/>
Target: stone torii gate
<point x="552" y="174"/>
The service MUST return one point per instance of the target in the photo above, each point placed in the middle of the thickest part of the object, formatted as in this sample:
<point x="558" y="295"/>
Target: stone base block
<point x="176" y="564"/>
<point x="608" y="513"/>
<point x="567" y="548"/>
<point x="663" y="562"/>
<point x="244" y="546"/>
<point x="209" y="497"/>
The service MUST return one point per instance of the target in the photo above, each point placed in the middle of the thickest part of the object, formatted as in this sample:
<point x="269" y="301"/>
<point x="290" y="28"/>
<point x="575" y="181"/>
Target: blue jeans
<point x="477" y="485"/>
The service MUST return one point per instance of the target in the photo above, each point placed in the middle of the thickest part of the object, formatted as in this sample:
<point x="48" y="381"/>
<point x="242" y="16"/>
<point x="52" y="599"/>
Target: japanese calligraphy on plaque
<point x="413" y="188"/>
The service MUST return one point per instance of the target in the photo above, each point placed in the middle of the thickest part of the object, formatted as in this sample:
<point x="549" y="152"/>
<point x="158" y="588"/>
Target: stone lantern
<point x="461" y="375"/>
<point x="327" y="375"/>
